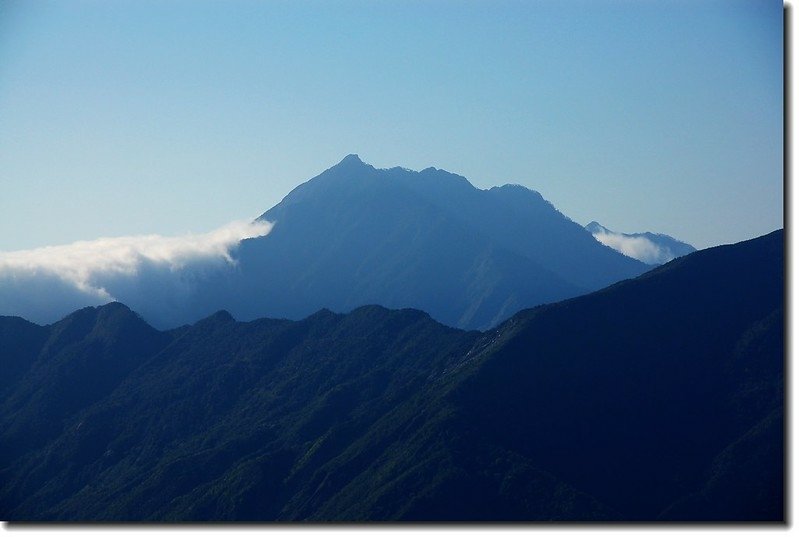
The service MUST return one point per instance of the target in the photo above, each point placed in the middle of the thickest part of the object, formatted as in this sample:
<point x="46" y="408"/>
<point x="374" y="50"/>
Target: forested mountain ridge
<point x="656" y="398"/>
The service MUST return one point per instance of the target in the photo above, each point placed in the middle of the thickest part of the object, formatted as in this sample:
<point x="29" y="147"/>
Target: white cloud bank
<point x="637" y="247"/>
<point x="46" y="283"/>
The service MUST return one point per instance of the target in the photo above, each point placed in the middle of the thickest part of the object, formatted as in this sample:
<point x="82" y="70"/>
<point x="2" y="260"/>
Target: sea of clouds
<point x="154" y="275"/>
<point x="635" y="246"/>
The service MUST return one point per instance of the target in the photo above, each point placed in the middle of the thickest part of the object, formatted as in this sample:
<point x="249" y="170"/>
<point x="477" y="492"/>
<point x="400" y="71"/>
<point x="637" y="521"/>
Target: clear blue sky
<point x="131" y="117"/>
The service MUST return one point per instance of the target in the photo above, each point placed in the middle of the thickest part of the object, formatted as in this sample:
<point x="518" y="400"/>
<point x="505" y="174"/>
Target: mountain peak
<point x="220" y="317"/>
<point x="351" y="159"/>
<point x="113" y="307"/>
<point x="596" y="227"/>
<point x="91" y="315"/>
<point x="351" y="163"/>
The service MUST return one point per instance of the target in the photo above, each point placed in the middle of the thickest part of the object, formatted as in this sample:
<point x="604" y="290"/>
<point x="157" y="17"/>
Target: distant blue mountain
<point x="356" y="235"/>
<point x="649" y="248"/>
<point x="428" y="240"/>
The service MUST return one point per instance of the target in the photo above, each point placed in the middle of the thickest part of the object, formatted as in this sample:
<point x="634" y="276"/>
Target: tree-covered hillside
<point x="656" y="398"/>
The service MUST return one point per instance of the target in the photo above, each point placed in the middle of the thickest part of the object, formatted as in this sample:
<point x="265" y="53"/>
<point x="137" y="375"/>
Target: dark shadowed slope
<point x="223" y="406"/>
<point x="656" y="398"/>
<point x="429" y="240"/>
<point x="642" y="394"/>
<point x="61" y="369"/>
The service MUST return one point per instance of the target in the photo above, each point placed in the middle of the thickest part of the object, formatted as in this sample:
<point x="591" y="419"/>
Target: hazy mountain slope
<point x="353" y="236"/>
<point x="428" y="240"/>
<point x="650" y="248"/>
<point x="522" y="221"/>
<point x="656" y="397"/>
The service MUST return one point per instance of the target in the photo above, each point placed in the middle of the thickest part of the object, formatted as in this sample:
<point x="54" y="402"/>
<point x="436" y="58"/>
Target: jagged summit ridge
<point x="428" y="240"/>
<point x="352" y="160"/>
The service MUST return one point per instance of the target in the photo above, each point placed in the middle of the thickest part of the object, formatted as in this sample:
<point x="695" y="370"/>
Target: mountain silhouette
<point x="650" y="248"/>
<point x="428" y="240"/>
<point x="657" y="398"/>
<point x="351" y="236"/>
